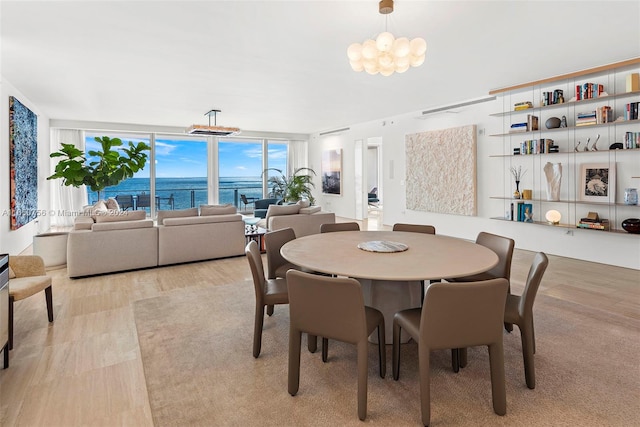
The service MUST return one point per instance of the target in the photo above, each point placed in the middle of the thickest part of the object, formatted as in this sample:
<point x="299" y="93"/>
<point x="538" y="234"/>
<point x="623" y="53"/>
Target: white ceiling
<point x="281" y="65"/>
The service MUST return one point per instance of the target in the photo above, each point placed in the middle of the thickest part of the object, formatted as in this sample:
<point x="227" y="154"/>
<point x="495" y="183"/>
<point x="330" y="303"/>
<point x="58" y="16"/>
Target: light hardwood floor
<point x="85" y="369"/>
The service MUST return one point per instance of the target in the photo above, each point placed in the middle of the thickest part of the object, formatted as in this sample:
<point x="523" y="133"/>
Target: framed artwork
<point x="332" y="171"/>
<point x="598" y="182"/>
<point x="23" y="163"/>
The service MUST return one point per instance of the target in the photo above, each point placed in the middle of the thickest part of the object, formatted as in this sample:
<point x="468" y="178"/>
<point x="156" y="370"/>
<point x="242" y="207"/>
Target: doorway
<point x="373" y="180"/>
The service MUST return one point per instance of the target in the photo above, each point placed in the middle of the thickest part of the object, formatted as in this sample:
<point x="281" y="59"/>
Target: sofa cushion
<point x="116" y="216"/>
<point x="176" y="214"/>
<point x="227" y="209"/>
<point x="207" y="219"/>
<point x="277" y="210"/>
<point x="122" y="225"/>
<point x="12" y="275"/>
<point x="310" y="210"/>
<point x="112" y="204"/>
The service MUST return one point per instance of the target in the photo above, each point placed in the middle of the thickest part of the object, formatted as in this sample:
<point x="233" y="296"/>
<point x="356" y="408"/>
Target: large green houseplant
<point x="107" y="167"/>
<point x="292" y="188"/>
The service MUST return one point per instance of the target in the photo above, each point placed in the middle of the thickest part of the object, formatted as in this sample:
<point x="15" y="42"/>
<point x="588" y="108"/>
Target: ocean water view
<point x="185" y="192"/>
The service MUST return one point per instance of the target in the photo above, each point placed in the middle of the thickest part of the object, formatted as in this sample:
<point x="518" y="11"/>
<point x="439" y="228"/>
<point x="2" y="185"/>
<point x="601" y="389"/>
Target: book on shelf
<point x="515" y="210"/>
<point x="631" y="140"/>
<point x="631" y="111"/>
<point x="532" y="122"/>
<point x="518" y="127"/>
<point x="525" y="105"/>
<point x="601" y="225"/>
<point x="589" y="91"/>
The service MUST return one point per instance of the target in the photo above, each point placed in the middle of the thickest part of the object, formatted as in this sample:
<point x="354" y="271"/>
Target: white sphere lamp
<point x="553" y="217"/>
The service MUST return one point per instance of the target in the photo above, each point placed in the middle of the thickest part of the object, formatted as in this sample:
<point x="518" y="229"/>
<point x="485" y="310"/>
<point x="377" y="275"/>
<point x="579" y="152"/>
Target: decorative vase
<point x="553" y="172"/>
<point x="630" y="196"/>
<point x="552" y="123"/>
<point x="516" y="194"/>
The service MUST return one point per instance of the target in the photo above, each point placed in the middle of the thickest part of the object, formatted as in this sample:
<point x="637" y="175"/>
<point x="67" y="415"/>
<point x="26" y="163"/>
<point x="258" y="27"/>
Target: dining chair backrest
<point x="273" y="242"/>
<point x="330" y="307"/>
<point x="503" y="247"/>
<point x="538" y="267"/>
<point x="415" y="228"/>
<point x="339" y="226"/>
<point x="257" y="269"/>
<point x="457" y="315"/>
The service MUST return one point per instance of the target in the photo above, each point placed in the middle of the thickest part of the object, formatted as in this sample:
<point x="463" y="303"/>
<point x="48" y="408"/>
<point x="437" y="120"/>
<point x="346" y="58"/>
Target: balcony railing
<point x="180" y="198"/>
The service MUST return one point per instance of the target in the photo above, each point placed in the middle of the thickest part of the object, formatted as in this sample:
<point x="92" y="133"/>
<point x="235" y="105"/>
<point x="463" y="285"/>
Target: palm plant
<point x="294" y="187"/>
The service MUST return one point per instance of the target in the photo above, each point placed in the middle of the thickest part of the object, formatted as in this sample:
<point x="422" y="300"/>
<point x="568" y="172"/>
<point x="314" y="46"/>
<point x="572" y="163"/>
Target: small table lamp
<point x="553" y="217"/>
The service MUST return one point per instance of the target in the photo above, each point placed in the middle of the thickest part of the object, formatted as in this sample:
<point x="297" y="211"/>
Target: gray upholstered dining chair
<point x="339" y="226"/>
<point x="519" y="311"/>
<point x="456" y="315"/>
<point x="503" y="247"/>
<point x="332" y="308"/>
<point x="277" y="266"/>
<point x="268" y="292"/>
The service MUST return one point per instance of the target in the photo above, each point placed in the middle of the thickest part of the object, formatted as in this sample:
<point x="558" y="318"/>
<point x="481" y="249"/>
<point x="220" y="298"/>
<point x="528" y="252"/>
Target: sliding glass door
<point x="240" y="166"/>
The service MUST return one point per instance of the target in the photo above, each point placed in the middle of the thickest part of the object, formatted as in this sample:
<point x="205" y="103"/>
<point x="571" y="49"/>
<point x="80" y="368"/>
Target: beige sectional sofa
<point x="303" y="219"/>
<point x="217" y="232"/>
<point x="105" y="244"/>
<point x="127" y="240"/>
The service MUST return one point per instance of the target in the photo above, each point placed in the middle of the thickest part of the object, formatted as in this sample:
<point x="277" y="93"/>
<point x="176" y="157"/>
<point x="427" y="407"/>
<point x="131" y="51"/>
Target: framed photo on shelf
<point x="332" y="171"/>
<point x="598" y="182"/>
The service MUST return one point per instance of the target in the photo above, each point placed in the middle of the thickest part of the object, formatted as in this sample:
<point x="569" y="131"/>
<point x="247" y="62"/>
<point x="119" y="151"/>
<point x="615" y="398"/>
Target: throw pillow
<point x="179" y="213"/>
<point x="112" y="204"/>
<point x="217" y="209"/>
<point x="100" y="208"/>
<point x="12" y="275"/>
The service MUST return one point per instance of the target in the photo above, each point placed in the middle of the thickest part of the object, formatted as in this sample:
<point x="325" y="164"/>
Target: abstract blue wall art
<point x="23" y="163"/>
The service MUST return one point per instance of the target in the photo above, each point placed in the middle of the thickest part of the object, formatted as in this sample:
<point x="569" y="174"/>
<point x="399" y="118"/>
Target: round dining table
<point x="390" y="279"/>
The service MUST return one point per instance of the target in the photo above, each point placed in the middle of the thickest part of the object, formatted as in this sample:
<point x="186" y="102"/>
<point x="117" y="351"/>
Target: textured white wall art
<point x="441" y="171"/>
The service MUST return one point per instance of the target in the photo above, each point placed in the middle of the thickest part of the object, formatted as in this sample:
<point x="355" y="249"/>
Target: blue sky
<point x="181" y="158"/>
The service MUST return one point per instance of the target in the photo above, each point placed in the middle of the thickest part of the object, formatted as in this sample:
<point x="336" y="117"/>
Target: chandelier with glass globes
<point x="386" y="54"/>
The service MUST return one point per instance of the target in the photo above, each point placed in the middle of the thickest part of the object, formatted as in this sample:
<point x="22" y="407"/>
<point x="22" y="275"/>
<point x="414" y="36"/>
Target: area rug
<point x="196" y="351"/>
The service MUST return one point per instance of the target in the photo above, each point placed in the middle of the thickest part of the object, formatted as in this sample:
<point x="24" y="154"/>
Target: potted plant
<point x="292" y="188"/>
<point x="110" y="167"/>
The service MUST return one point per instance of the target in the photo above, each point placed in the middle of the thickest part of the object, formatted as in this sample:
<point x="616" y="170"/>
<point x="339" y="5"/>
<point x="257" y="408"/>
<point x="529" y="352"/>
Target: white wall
<point x="610" y="248"/>
<point x="14" y="242"/>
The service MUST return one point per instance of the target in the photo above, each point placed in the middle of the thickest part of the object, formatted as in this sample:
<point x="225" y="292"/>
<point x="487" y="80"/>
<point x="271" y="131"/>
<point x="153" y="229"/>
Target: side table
<point x="256" y="234"/>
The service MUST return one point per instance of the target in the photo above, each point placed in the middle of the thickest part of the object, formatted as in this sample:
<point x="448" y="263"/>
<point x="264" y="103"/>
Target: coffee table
<point x="256" y="234"/>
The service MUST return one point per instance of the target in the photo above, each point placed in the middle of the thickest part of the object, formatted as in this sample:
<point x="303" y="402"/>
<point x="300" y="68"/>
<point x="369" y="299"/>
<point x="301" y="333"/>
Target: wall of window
<point x="181" y="171"/>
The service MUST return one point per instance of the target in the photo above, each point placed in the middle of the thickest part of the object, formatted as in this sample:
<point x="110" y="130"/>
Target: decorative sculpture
<point x="553" y="172"/>
<point x="594" y="147"/>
